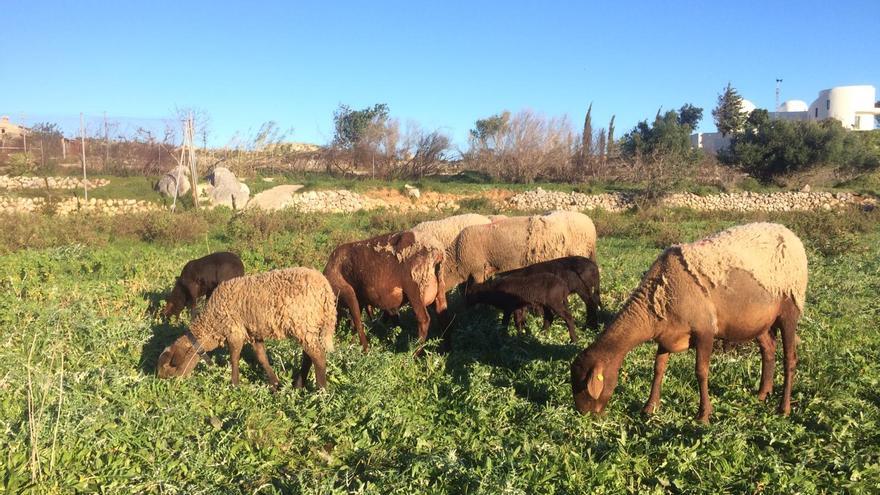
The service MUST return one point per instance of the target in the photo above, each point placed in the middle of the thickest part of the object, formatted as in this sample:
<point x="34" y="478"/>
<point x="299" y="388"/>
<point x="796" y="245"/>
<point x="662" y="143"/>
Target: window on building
<point x="858" y="123"/>
<point x="827" y="104"/>
<point x="817" y="112"/>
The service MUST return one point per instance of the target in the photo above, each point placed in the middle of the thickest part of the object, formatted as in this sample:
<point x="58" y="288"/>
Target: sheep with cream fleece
<point x="743" y="283"/>
<point x="293" y="302"/>
<point x="480" y="251"/>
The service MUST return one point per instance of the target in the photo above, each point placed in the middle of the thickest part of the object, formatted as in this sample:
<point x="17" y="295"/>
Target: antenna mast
<point x="778" y="82"/>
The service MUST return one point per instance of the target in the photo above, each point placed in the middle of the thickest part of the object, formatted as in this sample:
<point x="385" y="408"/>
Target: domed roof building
<point x="793" y="106"/>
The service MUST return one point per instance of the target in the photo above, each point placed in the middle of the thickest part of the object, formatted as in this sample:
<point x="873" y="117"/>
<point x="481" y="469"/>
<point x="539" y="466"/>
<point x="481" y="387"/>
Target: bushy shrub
<point x="767" y="147"/>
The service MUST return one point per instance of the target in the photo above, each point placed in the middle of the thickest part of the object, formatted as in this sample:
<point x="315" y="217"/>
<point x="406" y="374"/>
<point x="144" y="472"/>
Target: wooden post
<point x="24" y="133"/>
<point x="82" y="131"/>
<point x="63" y="148"/>
<point x="106" y="142"/>
<point x="193" y="173"/>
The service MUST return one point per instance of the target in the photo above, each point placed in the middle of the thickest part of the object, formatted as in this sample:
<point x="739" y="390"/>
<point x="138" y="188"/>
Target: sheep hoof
<point x="762" y="396"/>
<point x="784" y="411"/>
<point x="703" y="416"/>
<point x="649" y="409"/>
<point x="298" y="382"/>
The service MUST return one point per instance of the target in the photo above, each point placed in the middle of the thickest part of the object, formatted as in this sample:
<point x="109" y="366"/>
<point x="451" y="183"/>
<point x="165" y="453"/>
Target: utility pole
<point x="778" y="82"/>
<point x="82" y="134"/>
<point x="24" y="133"/>
<point x="106" y="141"/>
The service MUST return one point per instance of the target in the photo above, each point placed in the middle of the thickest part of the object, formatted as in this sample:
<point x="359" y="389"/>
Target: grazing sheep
<point x="544" y="292"/>
<point x="581" y="276"/>
<point x="743" y="283"/>
<point x="293" y="302"/>
<point x="447" y="229"/>
<point x="482" y="250"/>
<point x="387" y="271"/>
<point x="199" y="278"/>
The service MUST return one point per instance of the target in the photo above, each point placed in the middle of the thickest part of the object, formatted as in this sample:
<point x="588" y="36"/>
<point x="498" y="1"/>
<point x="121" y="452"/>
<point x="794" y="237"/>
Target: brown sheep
<point x="200" y="277"/>
<point x="293" y="302"/>
<point x="744" y="283"/>
<point x="387" y="271"/>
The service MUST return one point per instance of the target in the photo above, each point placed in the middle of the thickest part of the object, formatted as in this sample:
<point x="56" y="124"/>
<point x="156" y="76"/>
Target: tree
<point x="690" y="116"/>
<point x="768" y="147"/>
<point x="587" y="138"/>
<point x="352" y="126"/>
<point x="877" y="117"/>
<point x="610" y="146"/>
<point x="521" y="147"/>
<point x="728" y="114"/>
<point x="668" y="138"/>
<point x="487" y="132"/>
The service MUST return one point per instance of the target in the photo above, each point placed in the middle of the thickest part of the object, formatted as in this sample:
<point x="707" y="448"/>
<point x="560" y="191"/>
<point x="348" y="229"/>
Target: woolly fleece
<point x="293" y="302"/>
<point x="770" y="252"/>
<point x="516" y="242"/>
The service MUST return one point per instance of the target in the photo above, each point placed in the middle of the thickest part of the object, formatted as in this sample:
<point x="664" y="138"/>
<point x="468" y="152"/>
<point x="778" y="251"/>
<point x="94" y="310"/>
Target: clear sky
<point x="442" y="64"/>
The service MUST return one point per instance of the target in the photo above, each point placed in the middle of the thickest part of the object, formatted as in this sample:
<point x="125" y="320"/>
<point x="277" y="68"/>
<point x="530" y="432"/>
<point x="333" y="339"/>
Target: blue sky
<point x="442" y="64"/>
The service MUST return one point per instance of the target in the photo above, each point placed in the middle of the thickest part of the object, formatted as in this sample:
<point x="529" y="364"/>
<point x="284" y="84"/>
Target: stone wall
<point x="540" y="199"/>
<point x="71" y="205"/>
<point x="20" y="182"/>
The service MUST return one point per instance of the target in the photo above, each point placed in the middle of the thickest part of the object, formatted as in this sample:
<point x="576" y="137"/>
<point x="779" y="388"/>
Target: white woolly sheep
<point x="743" y="283"/>
<point x="293" y="302"/>
<point x="482" y="250"/>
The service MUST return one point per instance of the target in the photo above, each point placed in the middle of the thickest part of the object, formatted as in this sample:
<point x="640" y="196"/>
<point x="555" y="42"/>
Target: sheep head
<point x="593" y="380"/>
<point x="178" y="359"/>
<point x="176" y="301"/>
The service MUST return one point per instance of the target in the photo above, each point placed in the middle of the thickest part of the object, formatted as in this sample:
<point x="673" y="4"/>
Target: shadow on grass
<point x="479" y="339"/>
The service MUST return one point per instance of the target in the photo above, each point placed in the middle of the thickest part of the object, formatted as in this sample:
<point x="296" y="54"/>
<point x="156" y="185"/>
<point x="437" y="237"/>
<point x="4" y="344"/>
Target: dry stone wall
<point x="540" y="199"/>
<point x="21" y="182"/>
<point x="72" y="205"/>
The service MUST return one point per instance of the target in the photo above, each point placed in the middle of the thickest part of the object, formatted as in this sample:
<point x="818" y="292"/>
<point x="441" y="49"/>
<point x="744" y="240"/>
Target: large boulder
<point x="168" y="183"/>
<point x="275" y="198"/>
<point x="227" y="190"/>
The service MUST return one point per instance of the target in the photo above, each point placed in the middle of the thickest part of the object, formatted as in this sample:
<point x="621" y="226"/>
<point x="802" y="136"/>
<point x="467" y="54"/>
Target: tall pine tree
<point x="728" y="115"/>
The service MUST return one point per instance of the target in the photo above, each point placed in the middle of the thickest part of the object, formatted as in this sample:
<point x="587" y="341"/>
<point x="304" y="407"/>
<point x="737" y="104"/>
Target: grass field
<point x="82" y="411"/>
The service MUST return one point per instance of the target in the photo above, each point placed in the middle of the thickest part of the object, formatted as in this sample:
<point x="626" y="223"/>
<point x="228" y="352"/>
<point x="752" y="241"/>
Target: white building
<point x="853" y="106"/>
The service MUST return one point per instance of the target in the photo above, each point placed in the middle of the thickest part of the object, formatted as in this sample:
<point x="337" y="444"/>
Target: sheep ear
<point x="596" y="382"/>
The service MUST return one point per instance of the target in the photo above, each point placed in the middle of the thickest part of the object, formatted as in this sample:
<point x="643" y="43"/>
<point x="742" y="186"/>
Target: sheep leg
<point x="414" y="295"/>
<point x="346" y="294"/>
<point x="561" y="308"/>
<point x="303" y="375"/>
<point x="440" y="307"/>
<point x="548" y="319"/>
<point x="660" y="362"/>
<point x="505" y="320"/>
<point x="234" y="358"/>
<point x="263" y="358"/>
<point x="320" y="371"/>
<point x="789" y="317"/>
<point x="703" y="346"/>
<point x="519" y="317"/>
<point x="767" y="343"/>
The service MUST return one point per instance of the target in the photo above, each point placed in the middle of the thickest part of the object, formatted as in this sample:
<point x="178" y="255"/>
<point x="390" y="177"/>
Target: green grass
<point x="494" y="416"/>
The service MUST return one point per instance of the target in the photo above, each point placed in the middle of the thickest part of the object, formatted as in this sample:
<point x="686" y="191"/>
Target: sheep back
<point x="516" y="242"/>
<point x="292" y="302"/>
<point x="447" y="229"/>
<point x="770" y="252"/>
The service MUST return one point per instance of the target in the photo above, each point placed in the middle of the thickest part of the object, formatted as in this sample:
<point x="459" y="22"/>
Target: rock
<point x="806" y="188"/>
<point x="227" y="190"/>
<point x="276" y="198"/>
<point x="167" y="183"/>
<point x="412" y="192"/>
